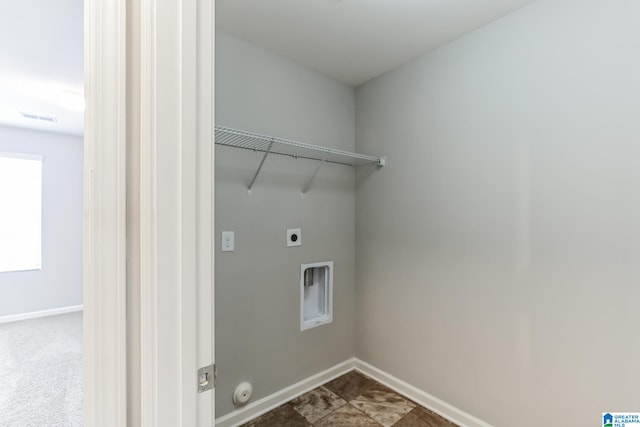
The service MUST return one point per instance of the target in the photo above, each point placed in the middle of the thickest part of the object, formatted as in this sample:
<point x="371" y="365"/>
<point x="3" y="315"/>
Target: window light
<point x="20" y="212"/>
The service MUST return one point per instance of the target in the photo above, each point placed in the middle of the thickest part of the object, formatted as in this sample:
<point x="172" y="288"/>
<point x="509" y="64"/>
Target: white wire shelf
<point x="284" y="147"/>
<point x="271" y="145"/>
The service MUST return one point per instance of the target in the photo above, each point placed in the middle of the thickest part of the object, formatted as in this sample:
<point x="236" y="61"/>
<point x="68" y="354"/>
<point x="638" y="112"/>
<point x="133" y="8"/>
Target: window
<point x="20" y="212"/>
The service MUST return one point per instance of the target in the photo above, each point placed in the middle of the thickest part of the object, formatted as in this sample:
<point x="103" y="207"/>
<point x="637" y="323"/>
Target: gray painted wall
<point x="258" y="336"/>
<point x="497" y="253"/>
<point x="59" y="282"/>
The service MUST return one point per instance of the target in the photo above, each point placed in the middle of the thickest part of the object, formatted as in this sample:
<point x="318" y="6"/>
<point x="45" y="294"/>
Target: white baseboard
<point x="43" y="313"/>
<point x="422" y="398"/>
<point x="266" y="404"/>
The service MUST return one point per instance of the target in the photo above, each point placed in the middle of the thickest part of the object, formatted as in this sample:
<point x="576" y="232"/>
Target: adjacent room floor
<point x="41" y="372"/>
<point x="351" y="400"/>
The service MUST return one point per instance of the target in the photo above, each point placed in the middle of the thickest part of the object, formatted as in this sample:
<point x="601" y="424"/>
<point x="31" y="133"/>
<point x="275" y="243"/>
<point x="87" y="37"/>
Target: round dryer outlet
<point x="294" y="237"/>
<point x="242" y="394"/>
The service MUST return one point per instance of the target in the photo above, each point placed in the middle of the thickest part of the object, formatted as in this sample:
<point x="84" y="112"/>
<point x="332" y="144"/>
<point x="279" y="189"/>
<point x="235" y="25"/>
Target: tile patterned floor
<point x="350" y="400"/>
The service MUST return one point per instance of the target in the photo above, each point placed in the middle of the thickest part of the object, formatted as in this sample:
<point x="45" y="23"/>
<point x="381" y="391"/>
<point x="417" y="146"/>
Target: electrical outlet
<point x="228" y="241"/>
<point x="294" y="237"/>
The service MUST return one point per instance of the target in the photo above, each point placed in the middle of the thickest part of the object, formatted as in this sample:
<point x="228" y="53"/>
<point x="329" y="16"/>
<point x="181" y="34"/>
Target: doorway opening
<point x="41" y="192"/>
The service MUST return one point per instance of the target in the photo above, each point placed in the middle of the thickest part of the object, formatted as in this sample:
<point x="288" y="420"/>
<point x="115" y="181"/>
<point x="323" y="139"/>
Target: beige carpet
<point x="41" y="372"/>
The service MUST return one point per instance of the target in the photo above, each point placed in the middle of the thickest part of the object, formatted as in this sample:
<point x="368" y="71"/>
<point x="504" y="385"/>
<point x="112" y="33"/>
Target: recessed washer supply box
<point x="316" y="294"/>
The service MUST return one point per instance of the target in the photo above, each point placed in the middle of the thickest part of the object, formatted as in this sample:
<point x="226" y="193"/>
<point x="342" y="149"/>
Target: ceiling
<point x="41" y="64"/>
<point x="41" y="44"/>
<point x="356" y="40"/>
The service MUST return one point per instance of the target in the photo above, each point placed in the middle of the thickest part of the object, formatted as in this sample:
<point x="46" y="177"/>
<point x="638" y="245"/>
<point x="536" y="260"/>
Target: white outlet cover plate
<point x="228" y="241"/>
<point x="294" y="241"/>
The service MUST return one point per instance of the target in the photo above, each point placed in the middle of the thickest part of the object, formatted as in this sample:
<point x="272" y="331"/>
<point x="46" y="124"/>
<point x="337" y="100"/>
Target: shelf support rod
<point x="255" y="176"/>
<point x="308" y="184"/>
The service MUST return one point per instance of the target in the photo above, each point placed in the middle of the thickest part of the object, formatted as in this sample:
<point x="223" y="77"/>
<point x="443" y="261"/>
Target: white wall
<point x="498" y="252"/>
<point x="258" y="336"/>
<point x="59" y="282"/>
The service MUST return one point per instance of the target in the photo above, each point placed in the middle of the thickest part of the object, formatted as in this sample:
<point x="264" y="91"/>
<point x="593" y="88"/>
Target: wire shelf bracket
<point x="308" y="184"/>
<point x="255" y="176"/>
<point x="229" y="137"/>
